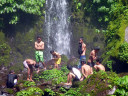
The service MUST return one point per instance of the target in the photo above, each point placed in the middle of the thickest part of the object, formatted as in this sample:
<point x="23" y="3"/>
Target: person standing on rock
<point x="11" y="79"/>
<point x="56" y="58"/>
<point x="93" y="57"/>
<point x="81" y="50"/>
<point x="39" y="46"/>
<point x="29" y="63"/>
<point x="98" y="65"/>
<point x="86" y="69"/>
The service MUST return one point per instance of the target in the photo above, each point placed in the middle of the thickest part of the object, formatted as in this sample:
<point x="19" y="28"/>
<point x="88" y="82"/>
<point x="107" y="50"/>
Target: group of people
<point x="29" y="63"/>
<point x="39" y="47"/>
<point x="85" y="68"/>
<point x="75" y="73"/>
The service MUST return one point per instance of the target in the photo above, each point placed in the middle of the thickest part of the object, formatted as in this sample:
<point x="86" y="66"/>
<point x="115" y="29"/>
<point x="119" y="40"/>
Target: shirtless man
<point x="73" y="74"/>
<point x="93" y="57"/>
<point x="99" y="66"/>
<point x="28" y="63"/>
<point x="81" y="51"/>
<point x="39" y="46"/>
<point x="56" y="58"/>
<point x="86" y="69"/>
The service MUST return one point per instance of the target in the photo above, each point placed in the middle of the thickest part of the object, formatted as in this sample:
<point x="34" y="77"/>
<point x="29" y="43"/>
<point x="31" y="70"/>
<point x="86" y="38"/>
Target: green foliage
<point x="29" y="83"/>
<point x="56" y="76"/>
<point x="109" y="64"/>
<point x="99" y="11"/>
<point x="73" y="92"/>
<point x="116" y="33"/>
<point x="64" y="58"/>
<point x="98" y="83"/>
<point x="31" y="91"/>
<point x="5" y="54"/>
<point x="50" y="92"/>
<point x="13" y="8"/>
<point x="123" y="52"/>
<point x="4" y="51"/>
<point x="122" y="85"/>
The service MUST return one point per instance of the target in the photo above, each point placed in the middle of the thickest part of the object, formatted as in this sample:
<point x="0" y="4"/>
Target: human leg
<point x="31" y="73"/>
<point x="70" y="77"/>
<point x="28" y="74"/>
<point x="57" y="62"/>
<point x="42" y="59"/>
<point x="37" y="59"/>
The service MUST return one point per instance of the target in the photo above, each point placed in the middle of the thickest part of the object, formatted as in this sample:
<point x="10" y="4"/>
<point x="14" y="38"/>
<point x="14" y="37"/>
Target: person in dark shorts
<point x="73" y="74"/>
<point x="81" y="50"/>
<point x="11" y="79"/>
<point x="93" y="57"/>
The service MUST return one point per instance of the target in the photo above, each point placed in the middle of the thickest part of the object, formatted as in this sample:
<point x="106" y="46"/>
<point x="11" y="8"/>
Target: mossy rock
<point x="73" y="62"/>
<point x="64" y="58"/>
<point x="98" y="84"/>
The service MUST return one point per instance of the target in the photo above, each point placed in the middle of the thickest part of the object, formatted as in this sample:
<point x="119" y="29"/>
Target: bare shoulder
<point x="84" y="45"/>
<point x="36" y="42"/>
<point x="27" y="59"/>
<point x="42" y="42"/>
<point x="92" y="52"/>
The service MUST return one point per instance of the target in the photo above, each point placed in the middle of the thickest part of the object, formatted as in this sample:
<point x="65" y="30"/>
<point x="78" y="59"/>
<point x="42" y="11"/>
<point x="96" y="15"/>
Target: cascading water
<point x="57" y="35"/>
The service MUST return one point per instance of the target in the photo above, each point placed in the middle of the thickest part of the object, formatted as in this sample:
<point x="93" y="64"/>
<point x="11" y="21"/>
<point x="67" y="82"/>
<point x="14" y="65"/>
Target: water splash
<point x="57" y="34"/>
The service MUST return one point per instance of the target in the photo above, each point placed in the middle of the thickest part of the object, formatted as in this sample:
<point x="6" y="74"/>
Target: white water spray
<point x="57" y="35"/>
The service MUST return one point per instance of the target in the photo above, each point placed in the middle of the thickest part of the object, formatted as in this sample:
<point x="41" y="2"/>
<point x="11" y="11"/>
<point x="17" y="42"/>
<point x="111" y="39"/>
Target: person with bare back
<point x="92" y="58"/>
<point x="39" y="46"/>
<point x="29" y="63"/>
<point x="81" y="50"/>
<point x="56" y="58"/>
<point x="98" y="65"/>
<point x="86" y="70"/>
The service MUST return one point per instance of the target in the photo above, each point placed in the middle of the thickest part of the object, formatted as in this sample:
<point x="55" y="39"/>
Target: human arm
<point x="84" y="73"/>
<point x="92" y="54"/>
<point x="36" y="46"/>
<point x="41" y="47"/>
<point x="84" y="47"/>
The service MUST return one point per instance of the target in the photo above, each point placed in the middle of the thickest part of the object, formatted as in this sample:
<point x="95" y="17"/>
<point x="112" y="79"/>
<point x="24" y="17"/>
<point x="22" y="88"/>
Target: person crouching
<point x="73" y="74"/>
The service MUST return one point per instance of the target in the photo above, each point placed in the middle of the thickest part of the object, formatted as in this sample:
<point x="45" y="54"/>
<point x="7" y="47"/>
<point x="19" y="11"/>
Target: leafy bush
<point x="4" y="51"/>
<point x="29" y="83"/>
<point x="123" y="52"/>
<point x="14" y="8"/>
<point x="50" y="92"/>
<point x="57" y="76"/>
<point x="98" y="82"/>
<point x="122" y="85"/>
<point x="31" y="91"/>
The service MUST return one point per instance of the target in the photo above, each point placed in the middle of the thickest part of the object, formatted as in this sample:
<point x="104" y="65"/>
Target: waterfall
<point x="57" y="34"/>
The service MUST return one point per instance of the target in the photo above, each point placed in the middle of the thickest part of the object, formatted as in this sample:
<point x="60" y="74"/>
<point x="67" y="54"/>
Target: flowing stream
<point x="57" y="34"/>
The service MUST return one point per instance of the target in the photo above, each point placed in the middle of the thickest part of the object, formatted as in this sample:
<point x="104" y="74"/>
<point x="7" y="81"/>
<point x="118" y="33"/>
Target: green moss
<point x="115" y="36"/>
<point x="64" y="58"/>
<point x="98" y="83"/>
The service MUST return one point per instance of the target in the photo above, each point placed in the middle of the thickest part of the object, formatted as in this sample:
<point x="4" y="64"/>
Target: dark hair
<point x="82" y="38"/>
<point x="38" y="37"/>
<point x="97" y="48"/>
<point x="69" y="67"/>
<point x="11" y="71"/>
<point x="36" y="65"/>
<point x="98" y="60"/>
<point x="51" y="51"/>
